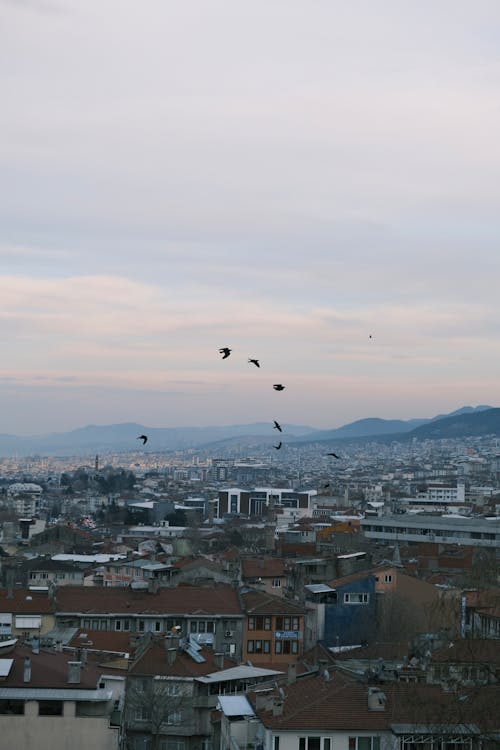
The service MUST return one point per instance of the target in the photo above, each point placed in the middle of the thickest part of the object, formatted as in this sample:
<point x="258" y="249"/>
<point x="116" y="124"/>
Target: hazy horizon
<point x="311" y="184"/>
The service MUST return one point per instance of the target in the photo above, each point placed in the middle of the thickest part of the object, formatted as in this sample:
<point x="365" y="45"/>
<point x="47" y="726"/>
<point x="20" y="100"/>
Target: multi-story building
<point x="260" y="500"/>
<point x="211" y="615"/>
<point x="47" y="700"/>
<point x="476" y="532"/>
<point x="274" y="629"/>
<point x="173" y="687"/>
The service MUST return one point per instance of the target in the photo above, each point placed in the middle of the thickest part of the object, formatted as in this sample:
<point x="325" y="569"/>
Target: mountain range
<point x="478" y="420"/>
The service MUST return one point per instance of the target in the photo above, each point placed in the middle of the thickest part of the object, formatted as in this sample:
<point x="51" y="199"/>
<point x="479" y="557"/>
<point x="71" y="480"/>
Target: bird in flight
<point x="254" y="362"/>
<point x="144" y="439"/>
<point x="278" y="387"/>
<point x="278" y="446"/>
<point x="225" y="351"/>
<point x="277" y="426"/>
<point x="334" y="455"/>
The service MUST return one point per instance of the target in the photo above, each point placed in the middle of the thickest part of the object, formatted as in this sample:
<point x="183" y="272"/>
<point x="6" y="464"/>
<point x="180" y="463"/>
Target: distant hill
<point x="92" y="439"/>
<point x="123" y="437"/>
<point x="374" y="426"/>
<point x="484" y="422"/>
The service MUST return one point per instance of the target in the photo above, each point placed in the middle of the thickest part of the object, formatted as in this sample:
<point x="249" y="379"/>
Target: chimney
<point x="74" y="668"/>
<point x="376" y="699"/>
<point x="219" y="660"/>
<point x="278" y="707"/>
<point x="171" y="655"/>
<point x="292" y="673"/>
<point x="27" y="669"/>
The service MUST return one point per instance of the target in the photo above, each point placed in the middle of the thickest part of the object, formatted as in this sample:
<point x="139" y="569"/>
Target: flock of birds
<point x="226" y="351"/>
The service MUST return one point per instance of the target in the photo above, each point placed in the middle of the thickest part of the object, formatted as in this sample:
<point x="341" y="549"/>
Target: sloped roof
<point x="24" y="601"/>
<point x="341" y="704"/>
<point x="263" y="567"/>
<point x="258" y="603"/>
<point x="49" y="669"/>
<point x="182" y="600"/>
<point x="154" y="661"/>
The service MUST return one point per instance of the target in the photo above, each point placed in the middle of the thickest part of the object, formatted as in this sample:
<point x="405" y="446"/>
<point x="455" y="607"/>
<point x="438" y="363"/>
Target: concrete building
<point x="258" y="501"/>
<point x="476" y="532"/>
<point x="48" y="701"/>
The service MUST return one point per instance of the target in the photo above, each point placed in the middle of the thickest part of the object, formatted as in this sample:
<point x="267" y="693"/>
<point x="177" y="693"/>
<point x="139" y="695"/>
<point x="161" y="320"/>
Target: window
<point x="174" y="718"/>
<point x="11" y="707"/>
<point x="286" y="647"/>
<point x="327" y="743"/>
<point x="309" y="743"/>
<point x="118" y="624"/>
<point x="356" y="598"/>
<point x="364" y="743"/>
<point x="259" y="647"/>
<point x="141" y="713"/>
<point x="173" y="688"/>
<point x="295" y="623"/>
<point x="251" y="623"/>
<point x="140" y="626"/>
<point x="267" y="623"/>
<point x="166" y="743"/>
<point x="276" y="584"/>
<point x="157" y="626"/>
<point x="50" y="708"/>
<point x="276" y="743"/>
<point x="388" y="578"/>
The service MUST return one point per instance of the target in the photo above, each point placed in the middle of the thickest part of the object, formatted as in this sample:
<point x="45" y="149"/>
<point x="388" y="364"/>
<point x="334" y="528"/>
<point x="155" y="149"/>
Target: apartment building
<point x="476" y="532"/>
<point x="258" y="501"/>
<point x="47" y="700"/>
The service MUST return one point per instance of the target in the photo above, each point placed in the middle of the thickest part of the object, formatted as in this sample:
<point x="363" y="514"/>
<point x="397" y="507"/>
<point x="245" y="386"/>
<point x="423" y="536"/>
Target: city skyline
<point x="314" y="186"/>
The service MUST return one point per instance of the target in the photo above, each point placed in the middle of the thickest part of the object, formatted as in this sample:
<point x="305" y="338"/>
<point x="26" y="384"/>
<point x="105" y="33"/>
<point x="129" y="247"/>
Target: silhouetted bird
<point x="278" y="446"/>
<point x="277" y="426"/>
<point x="254" y="362"/>
<point x="225" y="352"/>
<point x="278" y="387"/>
<point x="334" y="455"/>
<point x="144" y="439"/>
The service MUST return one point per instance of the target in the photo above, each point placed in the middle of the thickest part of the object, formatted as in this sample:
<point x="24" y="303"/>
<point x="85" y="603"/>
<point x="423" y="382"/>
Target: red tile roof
<point x="154" y="661"/>
<point x="257" y="603"/>
<point x="340" y="704"/>
<point x="49" y="669"/>
<point x="264" y="567"/>
<point x="109" y="641"/>
<point x="24" y="601"/>
<point x="182" y="600"/>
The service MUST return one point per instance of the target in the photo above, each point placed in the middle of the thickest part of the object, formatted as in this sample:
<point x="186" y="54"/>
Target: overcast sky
<point x="283" y="177"/>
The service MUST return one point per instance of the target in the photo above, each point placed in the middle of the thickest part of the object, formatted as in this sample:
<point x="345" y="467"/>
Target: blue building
<point x="343" y="611"/>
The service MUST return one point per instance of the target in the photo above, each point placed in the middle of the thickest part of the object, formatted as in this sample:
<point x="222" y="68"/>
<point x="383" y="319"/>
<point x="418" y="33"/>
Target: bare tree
<point x="154" y="708"/>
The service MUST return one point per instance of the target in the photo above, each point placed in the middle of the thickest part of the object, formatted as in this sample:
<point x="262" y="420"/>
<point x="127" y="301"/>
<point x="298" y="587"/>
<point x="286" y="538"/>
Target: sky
<point x="314" y="183"/>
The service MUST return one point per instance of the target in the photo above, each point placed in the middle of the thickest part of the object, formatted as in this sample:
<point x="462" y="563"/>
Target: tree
<point x="155" y="707"/>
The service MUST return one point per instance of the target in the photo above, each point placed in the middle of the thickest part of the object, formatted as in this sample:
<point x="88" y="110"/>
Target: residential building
<point x="24" y="612"/>
<point x="341" y="612"/>
<point x="476" y="532"/>
<point x="274" y="629"/>
<point x="212" y="615"/>
<point x="47" y="700"/>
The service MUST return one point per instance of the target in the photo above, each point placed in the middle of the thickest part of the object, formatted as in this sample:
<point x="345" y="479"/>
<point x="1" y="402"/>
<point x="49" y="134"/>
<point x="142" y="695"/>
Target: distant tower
<point x="97" y="463"/>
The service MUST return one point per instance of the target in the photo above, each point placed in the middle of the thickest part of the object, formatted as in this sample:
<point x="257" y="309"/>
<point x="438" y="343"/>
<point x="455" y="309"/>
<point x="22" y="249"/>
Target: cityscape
<point x="221" y="596"/>
<point x="249" y="384"/>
